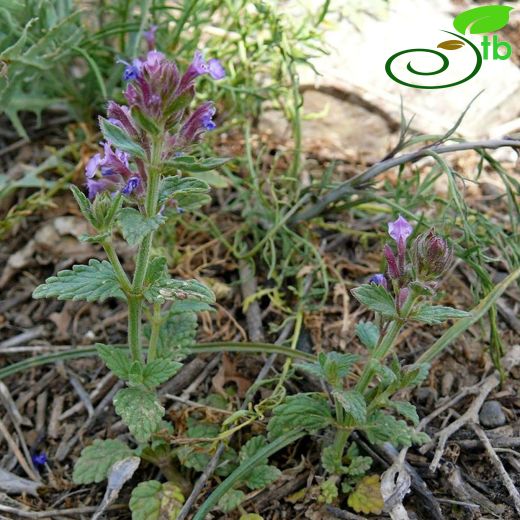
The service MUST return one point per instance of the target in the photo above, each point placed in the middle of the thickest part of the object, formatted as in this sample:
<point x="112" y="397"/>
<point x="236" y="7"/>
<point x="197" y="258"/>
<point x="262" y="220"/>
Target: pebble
<point x="491" y="415"/>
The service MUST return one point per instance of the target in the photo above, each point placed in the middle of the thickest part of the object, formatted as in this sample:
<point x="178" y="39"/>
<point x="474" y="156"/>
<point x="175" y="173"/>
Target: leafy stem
<point x="118" y="268"/>
<point x="156" y="322"/>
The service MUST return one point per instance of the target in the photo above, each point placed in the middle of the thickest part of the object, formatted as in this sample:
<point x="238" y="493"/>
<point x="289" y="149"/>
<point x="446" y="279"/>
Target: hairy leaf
<point x="434" y="314"/>
<point x="120" y="139"/>
<point x="173" y="187"/>
<point x="358" y="466"/>
<point x="382" y="427"/>
<point x="153" y="500"/>
<point x="95" y="281"/>
<point x="309" y="412"/>
<point x="135" y="226"/>
<point x="231" y="500"/>
<point x="353" y="403"/>
<point x="406" y="409"/>
<point x="116" y="360"/>
<point x="96" y="460"/>
<point x="159" y="371"/>
<point x="140" y="411"/>
<point x="331" y="460"/>
<point x="366" y="498"/>
<point x="261" y="476"/>
<point x="368" y="334"/>
<point x="376" y="298"/>
<point x="172" y="289"/>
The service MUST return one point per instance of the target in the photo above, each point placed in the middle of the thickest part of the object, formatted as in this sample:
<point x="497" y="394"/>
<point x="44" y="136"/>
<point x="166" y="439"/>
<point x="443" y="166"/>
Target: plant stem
<point x="134" y="326"/>
<point x="118" y="268"/>
<point x="154" y="334"/>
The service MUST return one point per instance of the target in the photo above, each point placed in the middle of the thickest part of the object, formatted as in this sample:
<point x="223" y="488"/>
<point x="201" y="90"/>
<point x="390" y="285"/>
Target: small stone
<point x="491" y="415"/>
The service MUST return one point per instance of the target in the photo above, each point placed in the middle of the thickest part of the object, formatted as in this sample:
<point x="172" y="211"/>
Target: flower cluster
<point x="158" y="98"/>
<point x="430" y="256"/>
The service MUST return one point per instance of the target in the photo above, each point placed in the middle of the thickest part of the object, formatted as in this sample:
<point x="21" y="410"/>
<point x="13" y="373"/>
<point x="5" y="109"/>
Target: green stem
<point x="154" y="334"/>
<point x="134" y="326"/>
<point x="118" y="268"/>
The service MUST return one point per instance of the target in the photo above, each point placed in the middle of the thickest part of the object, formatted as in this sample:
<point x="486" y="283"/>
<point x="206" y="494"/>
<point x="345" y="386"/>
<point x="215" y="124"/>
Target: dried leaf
<point x="366" y="498"/>
<point x="451" y="45"/>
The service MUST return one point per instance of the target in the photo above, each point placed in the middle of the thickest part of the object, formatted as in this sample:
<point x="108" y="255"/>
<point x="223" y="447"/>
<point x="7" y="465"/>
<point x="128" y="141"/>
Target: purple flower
<point x="95" y="186"/>
<point x="379" y="279"/>
<point x="120" y="115"/>
<point x="197" y="123"/>
<point x="132" y="70"/>
<point x="92" y="166"/>
<point x="400" y="229"/>
<point x="393" y="269"/>
<point x="198" y="67"/>
<point x="39" y="459"/>
<point x="149" y="36"/>
<point x="132" y="184"/>
<point x="215" y="69"/>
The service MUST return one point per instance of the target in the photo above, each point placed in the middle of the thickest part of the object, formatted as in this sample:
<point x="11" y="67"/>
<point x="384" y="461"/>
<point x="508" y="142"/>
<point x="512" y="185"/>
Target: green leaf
<point x="96" y="460"/>
<point x="177" y="332"/>
<point x="189" y="164"/>
<point x="173" y="187"/>
<point x="353" y="403"/>
<point x="157" y="269"/>
<point x="376" y="298"/>
<point x="140" y="411"/>
<point x="231" y="500"/>
<point x="135" y="226"/>
<point x="309" y="412"/>
<point x="358" y="466"/>
<point x="331" y="460"/>
<point x="158" y="371"/>
<point x="368" y="334"/>
<point x="415" y="375"/>
<point x="366" y="498"/>
<point x="153" y="500"/>
<point x="251" y="447"/>
<point x="192" y="201"/>
<point x="261" y="476"/>
<point x="336" y="366"/>
<point x="212" y="178"/>
<point x="83" y="203"/>
<point x="382" y="428"/>
<point x="95" y="281"/>
<point x="120" y="139"/>
<point x="116" y="360"/>
<point x="172" y="289"/>
<point x="406" y="409"/>
<point x="434" y="314"/>
<point x="483" y="19"/>
<point x="329" y="490"/>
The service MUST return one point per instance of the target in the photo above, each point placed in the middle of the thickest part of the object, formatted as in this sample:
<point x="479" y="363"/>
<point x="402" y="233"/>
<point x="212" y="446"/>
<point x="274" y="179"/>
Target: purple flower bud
<point x="431" y="255"/>
<point x="379" y="279"/>
<point x="197" y="123"/>
<point x="402" y="296"/>
<point x="393" y="269"/>
<point x="400" y="229"/>
<point x="198" y="67"/>
<point x="149" y="36"/>
<point x="132" y="185"/>
<point x="39" y="459"/>
<point x="92" y="166"/>
<point x="122" y="117"/>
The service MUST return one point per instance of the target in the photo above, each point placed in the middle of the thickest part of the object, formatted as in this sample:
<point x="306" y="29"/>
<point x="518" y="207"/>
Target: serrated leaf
<point x="451" y="45"/>
<point x="177" y="332"/>
<point x="415" y="375"/>
<point x="231" y="500"/>
<point x="173" y="289"/>
<point x="83" y="202"/>
<point x="358" y="466"/>
<point x="135" y="226"/>
<point x="353" y="403"/>
<point x="96" y="460"/>
<point x="366" y="498"/>
<point x="172" y="187"/>
<point x="159" y="370"/>
<point x="140" y="411"/>
<point x="116" y="360"/>
<point x="153" y="500"/>
<point x="93" y="282"/>
<point x="382" y="427"/>
<point x="406" y="409"/>
<point x="368" y="334"/>
<point x="189" y="164"/>
<point x="120" y="139"/>
<point x="309" y="412"/>
<point x="314" y="369"/>
<point x="261" y="476"/>
<point x="329" y="490"/>
<point x="331" y="460"/>
<point x="435" y="314"/>
<point x="483" y="19"/>
<point x="336" y="366"/>
<point x="251" y="447"/>
<point x="376" y="298"/>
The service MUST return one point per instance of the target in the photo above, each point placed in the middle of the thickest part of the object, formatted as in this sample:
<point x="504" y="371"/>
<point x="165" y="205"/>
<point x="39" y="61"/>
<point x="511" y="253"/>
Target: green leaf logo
<point x="484" y="19"/>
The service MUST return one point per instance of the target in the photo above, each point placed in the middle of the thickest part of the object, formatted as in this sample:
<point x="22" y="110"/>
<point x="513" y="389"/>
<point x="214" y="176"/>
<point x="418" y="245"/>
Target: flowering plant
<point x="398" y="297"/>
<point x="132" y="184"/>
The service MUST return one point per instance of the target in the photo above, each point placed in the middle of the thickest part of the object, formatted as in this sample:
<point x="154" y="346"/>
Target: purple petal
<point x="215" y="68"/>
<point x="131" y="185"/>
<point x="400" y="229"/>
<point x="379" y="279"/>
<point x="149" y="36"/>
<point x="92" y="166"/>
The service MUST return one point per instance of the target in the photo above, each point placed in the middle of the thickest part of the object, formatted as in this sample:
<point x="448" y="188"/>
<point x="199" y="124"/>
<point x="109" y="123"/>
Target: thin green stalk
<point x="118" y="268"/>
<point x="154" y="333"/>
<point x="244" y="469"/>
<point x="134" y="326"/>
